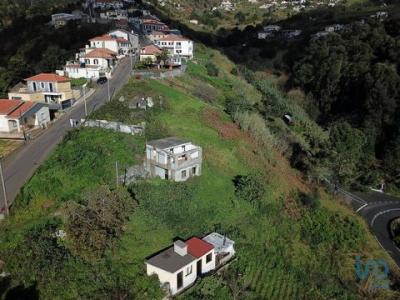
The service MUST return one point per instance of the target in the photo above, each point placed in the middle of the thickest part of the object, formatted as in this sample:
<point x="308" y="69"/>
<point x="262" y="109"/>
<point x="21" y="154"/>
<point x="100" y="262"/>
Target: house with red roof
<point x="50" y="88"/>
<point x="150" y="51"/>
<point x="178" y="266"/>
<point x="177" y="45"/>
<point x="17" y="115"/>
<point x="149" y="24"/>
<point x="114" y="43"/>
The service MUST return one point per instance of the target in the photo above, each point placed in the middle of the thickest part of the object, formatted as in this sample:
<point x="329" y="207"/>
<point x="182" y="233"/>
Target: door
<point x="199" y="267"/>
<point x="179" y="280"/>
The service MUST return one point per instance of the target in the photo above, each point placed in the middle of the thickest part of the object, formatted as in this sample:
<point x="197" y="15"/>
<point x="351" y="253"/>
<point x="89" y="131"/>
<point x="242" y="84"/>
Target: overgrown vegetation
<point x="279" y="256"/>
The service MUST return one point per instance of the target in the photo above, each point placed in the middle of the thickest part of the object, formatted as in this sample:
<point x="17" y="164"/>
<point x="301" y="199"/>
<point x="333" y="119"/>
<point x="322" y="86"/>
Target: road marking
<point x="361" y="207"/>
<point x="382" y="213"/>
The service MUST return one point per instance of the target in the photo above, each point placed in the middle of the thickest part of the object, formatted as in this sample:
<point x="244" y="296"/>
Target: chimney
<point x="180" y="248"/>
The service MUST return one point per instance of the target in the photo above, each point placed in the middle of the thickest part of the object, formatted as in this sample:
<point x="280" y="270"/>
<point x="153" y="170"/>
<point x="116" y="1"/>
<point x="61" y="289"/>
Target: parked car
<point x="102" y="80"/>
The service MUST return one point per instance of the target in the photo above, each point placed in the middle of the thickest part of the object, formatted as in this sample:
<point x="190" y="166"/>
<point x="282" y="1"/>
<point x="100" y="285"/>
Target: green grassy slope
<point x="284" y="250"/>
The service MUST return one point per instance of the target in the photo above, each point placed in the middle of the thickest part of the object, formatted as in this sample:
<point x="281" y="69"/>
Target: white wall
<point x="171" y="278"/>
<point x="4" y="126"/>
<point x="82" y="72"/>
<point x="102" y="62"/>
<point x="42" y="116"/>
<point x="207" y="267"/>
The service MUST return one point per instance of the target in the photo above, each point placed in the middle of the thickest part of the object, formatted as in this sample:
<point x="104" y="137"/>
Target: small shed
<point x="224" y="247"/>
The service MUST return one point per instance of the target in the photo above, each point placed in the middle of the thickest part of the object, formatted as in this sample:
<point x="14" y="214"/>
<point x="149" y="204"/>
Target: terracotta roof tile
<point x="48" y="77"/>
<point x="101" y="53"/>
<point x="173" y="37"/>
<point x="198" y="247"/>
<point x="150" y="50"/>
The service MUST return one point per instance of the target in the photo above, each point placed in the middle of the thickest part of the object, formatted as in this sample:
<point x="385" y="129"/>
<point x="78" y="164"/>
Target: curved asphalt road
<point x="20" y="166"/>
<point x="379" y="212"/>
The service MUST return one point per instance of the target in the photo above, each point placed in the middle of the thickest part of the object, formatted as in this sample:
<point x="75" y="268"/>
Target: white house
<point x="173" y="158"/>
<point x="15" y="114"/>
<point x="116" y="44"/>
<point x="178" y="266"/>
<point x="108" y="4"/>
<point x="176" y="45"/>
<point x="61" y="19"/>
<point x="132" y="37"/>
<point x="117" y="14"/>
<point x="149" y="24"/>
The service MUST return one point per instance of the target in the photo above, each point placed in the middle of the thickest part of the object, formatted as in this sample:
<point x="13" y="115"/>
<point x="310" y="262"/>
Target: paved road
<point x="380" y="210"/>
<point x="20" y="166"/>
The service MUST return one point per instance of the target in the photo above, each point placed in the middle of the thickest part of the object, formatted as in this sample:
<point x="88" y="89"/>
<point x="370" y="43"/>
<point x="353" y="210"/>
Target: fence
<point x="159" y="74"/>
<point x="116" y="126"/>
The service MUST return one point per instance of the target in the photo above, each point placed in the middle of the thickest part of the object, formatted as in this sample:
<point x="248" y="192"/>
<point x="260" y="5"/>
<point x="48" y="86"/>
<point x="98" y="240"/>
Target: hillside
<point x="293" y="240"/>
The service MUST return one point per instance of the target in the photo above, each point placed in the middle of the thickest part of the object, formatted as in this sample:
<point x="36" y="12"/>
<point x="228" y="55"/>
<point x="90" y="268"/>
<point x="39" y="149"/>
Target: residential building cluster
<point x="160" y="38"/>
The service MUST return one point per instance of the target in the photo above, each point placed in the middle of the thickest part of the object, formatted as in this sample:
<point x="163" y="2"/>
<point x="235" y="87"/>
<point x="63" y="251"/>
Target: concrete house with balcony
<point x="92" y="65"/>
<point x="53" y="89"/>
<point x="173" y="159"/>
<point x="177" y="45"/>
<point x="178" y="266"/>
<point x="119" y="45"/>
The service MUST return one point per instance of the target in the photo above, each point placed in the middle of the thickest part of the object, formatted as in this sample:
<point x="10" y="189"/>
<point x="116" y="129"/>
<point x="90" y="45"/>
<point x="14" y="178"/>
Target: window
<point x="189" y="270"/>
<point x="95" y="61"/>
<point x="178" y="43"/>
<point x="42" y="85"/>
<point x="209" y="258"/>
<point x="183" y="174"/>
<point x="178" y="51"/>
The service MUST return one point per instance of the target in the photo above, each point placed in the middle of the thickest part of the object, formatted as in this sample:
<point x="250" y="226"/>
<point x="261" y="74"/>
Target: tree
<point x="347" y="149"/>
<point x="94" y="224"/>
<point x="163" y="57"/>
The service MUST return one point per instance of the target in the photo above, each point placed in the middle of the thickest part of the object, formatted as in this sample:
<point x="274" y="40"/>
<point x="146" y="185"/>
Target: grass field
<point x="284" y="250"/>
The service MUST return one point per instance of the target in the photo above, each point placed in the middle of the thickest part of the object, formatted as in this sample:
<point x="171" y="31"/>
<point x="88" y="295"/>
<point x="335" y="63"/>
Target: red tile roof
<point x="14" y="108"/>
<point x="104" y="37"/>
<point x="48" y="77"/>
<point x="101" y="53"/>
<point x="150" y="50"/>
<point x="21" y="110"/>
<point x="197" y="247"/>
<point x="7" y="106"/>
<point x="174" y="37"/>
<point x="107" y="37"/>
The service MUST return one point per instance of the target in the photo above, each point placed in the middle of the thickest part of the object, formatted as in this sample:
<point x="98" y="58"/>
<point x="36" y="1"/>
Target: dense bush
<point x="96" y="222"/>
<point x="310" y="200"/>
<point x="250" y="187"/>
<point x="212" y="69"/>
<point x="324" y="227"/>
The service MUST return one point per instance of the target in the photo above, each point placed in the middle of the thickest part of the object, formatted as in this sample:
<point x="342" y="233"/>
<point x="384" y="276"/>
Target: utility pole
<point x="116" y="172"/>
<point x="108" y="90"/>
<point x="4" y="189"/>
<point x="84" y="99"/>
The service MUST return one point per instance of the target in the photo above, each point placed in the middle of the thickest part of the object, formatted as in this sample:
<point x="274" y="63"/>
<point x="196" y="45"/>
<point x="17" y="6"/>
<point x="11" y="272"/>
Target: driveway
<point x="20" y="166"/>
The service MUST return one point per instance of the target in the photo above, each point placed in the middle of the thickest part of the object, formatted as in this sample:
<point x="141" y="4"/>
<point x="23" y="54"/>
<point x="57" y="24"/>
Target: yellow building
<point x="49" y="88"/>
